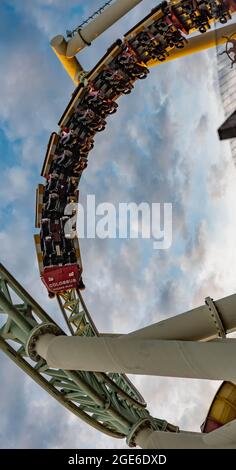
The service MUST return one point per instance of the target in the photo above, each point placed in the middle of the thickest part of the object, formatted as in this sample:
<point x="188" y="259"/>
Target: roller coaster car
<point x="82" y="165"/>
<point x="79" y="95"/>
<point x="114" y="82"/>
<point x="84" y="135"/>
<point x="177" y="40"/>
<point x="222" y="11"/>
<point x="63" y="186"/>
<point x="50" y="251"/>
<point x="79" y="140"/>
<point x="67" y="139"/>
<point x="128" y="61"/>
<point x="53" y="183"/>
<point x="51" y="229"/>
<point x="58" y="279"/>
<point x="143" y="45"/>
<point x="180" y="15"/>
<point x="98" y="102"/>
<point x="51" y="207"/>
<point x="88" y="119"/>
<point x="170" y="33"/>
<point x="62" y="164"/>
<point x="155" y="48"/>
<point x="79" y="156"/>
<point x="72" y="185"/>
<point x="142" y="42"/>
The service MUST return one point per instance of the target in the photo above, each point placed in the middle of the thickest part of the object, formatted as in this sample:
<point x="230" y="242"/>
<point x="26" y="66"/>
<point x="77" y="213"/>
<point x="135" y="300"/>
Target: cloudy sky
<point x="161" y="146"/>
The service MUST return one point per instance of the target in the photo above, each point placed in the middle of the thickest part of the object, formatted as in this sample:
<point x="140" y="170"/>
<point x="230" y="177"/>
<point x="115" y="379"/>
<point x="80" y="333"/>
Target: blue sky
<point x="161" y="146"/>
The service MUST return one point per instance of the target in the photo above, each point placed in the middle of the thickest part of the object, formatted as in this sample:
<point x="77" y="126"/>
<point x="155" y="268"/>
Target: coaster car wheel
<point x="202" y="29"/>
<point x="142" y="74"/>
<point x="180" y="45"/>
<point x="101" y="128"/>
<point x="126" y="91"/>
<point x="161" y="58"/>
<point x="223" y="19"/>
<point x="112" y="108"/>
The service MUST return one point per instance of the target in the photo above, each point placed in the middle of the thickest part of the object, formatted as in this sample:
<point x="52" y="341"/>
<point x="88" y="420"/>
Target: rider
<point x="67" y="135"/>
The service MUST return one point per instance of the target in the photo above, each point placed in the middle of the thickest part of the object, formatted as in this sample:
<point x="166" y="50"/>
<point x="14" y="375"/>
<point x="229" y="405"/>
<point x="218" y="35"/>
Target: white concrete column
<point x="148" y="439"/>
<point x="196" y="324"/>
<point x="100" y="24"/>
<point x="212" y="360"/>
<point x="43" y="343"/>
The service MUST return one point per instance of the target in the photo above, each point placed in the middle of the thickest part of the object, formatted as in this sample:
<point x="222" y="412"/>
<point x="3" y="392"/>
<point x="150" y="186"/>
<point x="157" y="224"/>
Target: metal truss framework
<point x="108" y="402"/>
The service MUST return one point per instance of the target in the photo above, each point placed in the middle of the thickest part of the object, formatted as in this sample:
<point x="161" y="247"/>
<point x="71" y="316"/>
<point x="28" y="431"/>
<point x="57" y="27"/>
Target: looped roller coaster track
<point x="108" y="402"/>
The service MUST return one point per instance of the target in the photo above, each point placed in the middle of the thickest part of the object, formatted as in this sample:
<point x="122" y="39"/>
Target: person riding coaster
<point x="62" y="164"/>
<point x="82" y="146"/>
<point x="84" y="141"/>
<point x="98" y="102"/>
<point x="223" y="13"/>
<point x="67" y="140"/>
<point x="68" y="250"/>
<point x="52" y="183"/>
<point x="154" y="49"/>
<point x="201" y="17"/>
<point x="49" y="251"/>
<point x="78" y="141"/>
<point x="170" y="33"/>
<point x="50" y="230"/>
<point x="65" y="136"/>
<point x="114" y="81"/>
<point x="51" y="206"/>
<point x="146" y="39"/>
<point x="143" y="44"/>
<point x="175" y="39"/>
<point x="81" y="163"/>
<point x="72" y="185"/>
<point x="128" y="61"/>
<point x="89" y="119"/>
<point x="45" y="228"/>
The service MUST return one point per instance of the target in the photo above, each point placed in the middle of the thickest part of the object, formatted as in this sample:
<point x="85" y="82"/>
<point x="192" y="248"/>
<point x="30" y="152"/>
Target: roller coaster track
<point x="108" y="402"/>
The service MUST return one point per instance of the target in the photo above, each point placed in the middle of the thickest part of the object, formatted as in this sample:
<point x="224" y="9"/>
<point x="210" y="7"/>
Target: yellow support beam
<point x="199" y="43"/>
<point x="70" y="64"/>
<point x="195" y="44"/>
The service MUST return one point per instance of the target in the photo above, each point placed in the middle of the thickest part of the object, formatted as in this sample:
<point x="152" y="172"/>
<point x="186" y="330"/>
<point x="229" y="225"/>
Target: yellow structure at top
<point x="200" y="43"/>
<point x="66" y="51"/>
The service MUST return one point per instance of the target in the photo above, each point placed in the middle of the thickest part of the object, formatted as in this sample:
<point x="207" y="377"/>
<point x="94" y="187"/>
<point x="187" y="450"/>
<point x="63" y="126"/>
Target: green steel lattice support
<point x="108" y="402"/>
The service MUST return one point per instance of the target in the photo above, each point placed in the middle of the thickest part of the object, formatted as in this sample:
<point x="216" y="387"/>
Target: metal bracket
<point x="216" y="317"/>
<point x="84" y="40"/>
<point x="38" y="331"/>
<point x="149" y="423"/>
<point x="141" y="424"/>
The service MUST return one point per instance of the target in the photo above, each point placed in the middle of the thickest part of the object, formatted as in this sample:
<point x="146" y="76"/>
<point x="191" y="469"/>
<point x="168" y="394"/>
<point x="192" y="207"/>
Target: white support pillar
<point x="100" y="24"/>
<point x="223" y="438"/>
<point x="212" y="360"/>
<point x="199" y="324"/>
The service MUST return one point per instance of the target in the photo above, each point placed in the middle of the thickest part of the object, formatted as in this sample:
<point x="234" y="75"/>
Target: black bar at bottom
<point x="108" y="458"/>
